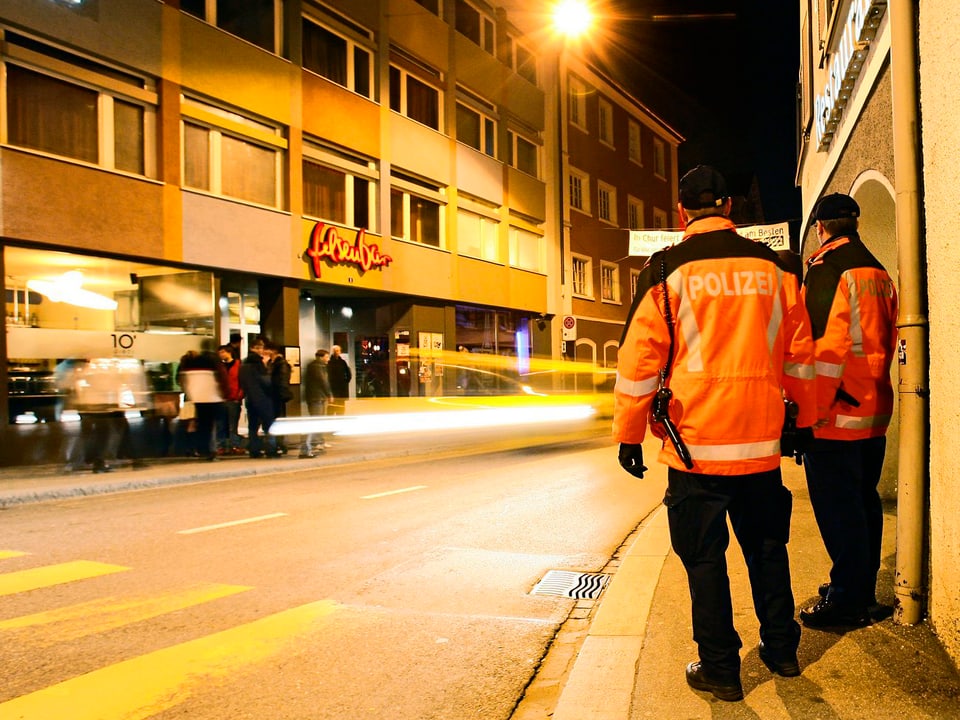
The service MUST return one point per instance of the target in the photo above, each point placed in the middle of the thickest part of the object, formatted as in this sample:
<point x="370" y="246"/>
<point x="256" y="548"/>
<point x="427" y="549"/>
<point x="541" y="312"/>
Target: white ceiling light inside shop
<point x="68" y="288"/>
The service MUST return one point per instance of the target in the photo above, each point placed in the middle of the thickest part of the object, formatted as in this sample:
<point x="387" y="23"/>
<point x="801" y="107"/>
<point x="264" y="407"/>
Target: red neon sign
<point x="327" y="243"/>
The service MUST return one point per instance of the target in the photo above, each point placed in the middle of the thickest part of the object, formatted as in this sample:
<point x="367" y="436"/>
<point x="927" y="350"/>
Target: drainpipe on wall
<point x="912" y="323"/>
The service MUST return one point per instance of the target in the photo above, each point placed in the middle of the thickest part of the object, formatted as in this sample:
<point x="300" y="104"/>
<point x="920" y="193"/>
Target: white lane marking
<point x="218" y="526"/>
<point x="393" y="492"/>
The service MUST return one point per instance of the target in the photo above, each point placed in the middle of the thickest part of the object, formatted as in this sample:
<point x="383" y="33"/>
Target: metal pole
<point x="913" y="323"/>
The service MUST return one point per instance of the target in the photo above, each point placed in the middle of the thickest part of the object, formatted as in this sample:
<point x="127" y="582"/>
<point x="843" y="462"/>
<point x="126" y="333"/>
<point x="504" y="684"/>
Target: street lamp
<point x="572" y="18"/>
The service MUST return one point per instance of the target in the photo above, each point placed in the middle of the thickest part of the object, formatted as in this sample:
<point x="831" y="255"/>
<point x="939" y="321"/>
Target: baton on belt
<point x="661" y="416"/>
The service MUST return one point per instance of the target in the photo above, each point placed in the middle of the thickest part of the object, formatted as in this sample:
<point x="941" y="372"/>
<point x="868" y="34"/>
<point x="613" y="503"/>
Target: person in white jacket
<point x="203" y="381"/>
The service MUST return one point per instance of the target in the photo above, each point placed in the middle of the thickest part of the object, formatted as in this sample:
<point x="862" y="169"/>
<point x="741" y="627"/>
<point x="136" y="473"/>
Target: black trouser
<point x="759" y="507"/>
<point x="842" y="477"/>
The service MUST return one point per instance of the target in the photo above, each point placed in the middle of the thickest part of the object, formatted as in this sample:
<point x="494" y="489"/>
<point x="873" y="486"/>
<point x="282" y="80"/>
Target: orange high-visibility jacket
<point x="852" y="304"/>
<point x="741" y="341"/>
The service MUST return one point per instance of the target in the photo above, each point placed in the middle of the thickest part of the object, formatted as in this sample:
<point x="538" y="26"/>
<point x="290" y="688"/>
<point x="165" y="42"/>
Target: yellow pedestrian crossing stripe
<point x="4" y="554"/>
<point x="144" y="686"/>
<point x="88" y="618"/>
<point x="41" y="577"/>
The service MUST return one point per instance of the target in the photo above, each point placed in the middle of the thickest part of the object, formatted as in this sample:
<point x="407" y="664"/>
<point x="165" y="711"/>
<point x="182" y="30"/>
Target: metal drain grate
<point x="577" y="585"/>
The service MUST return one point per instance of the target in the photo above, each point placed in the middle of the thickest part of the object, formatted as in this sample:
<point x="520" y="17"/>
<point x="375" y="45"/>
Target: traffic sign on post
<point x="569" y="327"/>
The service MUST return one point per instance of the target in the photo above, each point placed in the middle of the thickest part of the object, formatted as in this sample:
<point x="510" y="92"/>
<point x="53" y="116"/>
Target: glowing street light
<point x="572" y="18"/>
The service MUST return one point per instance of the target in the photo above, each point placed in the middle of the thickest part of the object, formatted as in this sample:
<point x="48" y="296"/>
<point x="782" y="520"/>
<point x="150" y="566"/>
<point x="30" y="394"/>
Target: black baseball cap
<point x="702" y="187"/>
<point x="836" y="206"/>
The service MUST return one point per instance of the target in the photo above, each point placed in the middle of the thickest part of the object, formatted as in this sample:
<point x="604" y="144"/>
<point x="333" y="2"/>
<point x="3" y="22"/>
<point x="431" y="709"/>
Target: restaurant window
<point x="414" y="98"/>
<point x="339" y="186"/>
<point x="256" y="21"/>
<point x="229" y="154"/>
<point x="337" y="57"/>
<point x="68" y="105"/>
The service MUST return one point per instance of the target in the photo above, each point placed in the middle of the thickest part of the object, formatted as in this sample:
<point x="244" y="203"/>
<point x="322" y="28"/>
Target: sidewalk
<point x="631" y="663"/>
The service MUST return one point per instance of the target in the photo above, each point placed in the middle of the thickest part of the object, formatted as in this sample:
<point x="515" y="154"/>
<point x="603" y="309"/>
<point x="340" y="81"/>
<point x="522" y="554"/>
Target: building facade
<point x="620" y="174"/>
<point x="878" y="121"/>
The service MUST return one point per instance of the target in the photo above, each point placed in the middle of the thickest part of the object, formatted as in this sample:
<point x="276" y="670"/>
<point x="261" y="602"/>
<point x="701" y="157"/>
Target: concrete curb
<point x="600" y="684"/>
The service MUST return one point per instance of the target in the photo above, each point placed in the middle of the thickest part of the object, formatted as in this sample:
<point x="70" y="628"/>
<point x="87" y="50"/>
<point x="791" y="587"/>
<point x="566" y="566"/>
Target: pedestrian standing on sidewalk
<point x="258" y="398"/>
<point x="852" y="305"/>
<point x="204" y="382"/>
<point x="339" y="375"/>
<point x="317" y="394"/>
<point x="718" y="325"/>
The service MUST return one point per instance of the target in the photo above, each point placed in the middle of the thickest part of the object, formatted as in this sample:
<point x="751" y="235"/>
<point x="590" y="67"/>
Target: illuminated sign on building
<point x="844" y="66"/>
<point x="332" y="244"/>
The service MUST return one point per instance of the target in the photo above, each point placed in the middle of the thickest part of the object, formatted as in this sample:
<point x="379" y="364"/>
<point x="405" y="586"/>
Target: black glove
<point x="631" y="459"/>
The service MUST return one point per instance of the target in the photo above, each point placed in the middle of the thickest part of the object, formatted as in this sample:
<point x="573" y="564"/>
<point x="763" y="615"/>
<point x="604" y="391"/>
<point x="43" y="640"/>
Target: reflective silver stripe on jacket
<point x="856" y="329"/>
<point x="799" y="371"/>
<point x="851" y="422"/>
<point x="832" y="370"/>
<point x="737" y="451"/>
<point x="636" y="388"/>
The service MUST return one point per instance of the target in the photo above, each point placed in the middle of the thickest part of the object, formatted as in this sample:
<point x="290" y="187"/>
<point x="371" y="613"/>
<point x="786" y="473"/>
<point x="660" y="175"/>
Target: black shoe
<point x="698" y="680"/>
<point x="823" y="590"/>
<point x="786" y="665"/>
<point x="827" y="613"/>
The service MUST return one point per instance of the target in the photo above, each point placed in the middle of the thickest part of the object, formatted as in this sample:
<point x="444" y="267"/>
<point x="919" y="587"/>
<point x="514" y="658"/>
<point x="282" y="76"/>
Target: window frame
<point x="605" y="133"/>
<point x="221" y="122"/>
<point x="577" y="91"/>
<point x="525" y="67"/>
<point x="354" y="168"/>
<point x="210" y="17"/>
<point x="409" y="188"/>
<point x="635" y="208"/>
<point x="609" y="282"/>
<point x="634" y="279"/>
<point x="514" y="138"/>
<point x="486" y="123"/>
<point x="634" y="147"/>
<point x="405" y="75"/>
<point x="362" y="42"/>
<point x="581" y="282"/>
<point x="517" y="237"/>
<point x="578" y="182"/>
<point x="606" y="202"/>
<point x="488" y="234"/>
<point x="661" y="220"/>
<point x="660" y="158"/>
<point x="111" y="85"/>
<point x="486" y="26"/>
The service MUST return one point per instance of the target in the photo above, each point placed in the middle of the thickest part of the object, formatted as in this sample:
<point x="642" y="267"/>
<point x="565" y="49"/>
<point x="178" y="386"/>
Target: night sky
<point x="736" y="71"/>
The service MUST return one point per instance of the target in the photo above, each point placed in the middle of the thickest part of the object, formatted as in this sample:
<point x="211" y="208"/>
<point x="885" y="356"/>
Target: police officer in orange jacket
<point x="718" y="323"/>
<point x="852" y="304"/>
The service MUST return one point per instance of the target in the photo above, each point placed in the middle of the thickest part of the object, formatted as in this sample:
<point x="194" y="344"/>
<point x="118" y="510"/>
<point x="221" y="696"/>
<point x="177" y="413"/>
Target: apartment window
<point x="431" y="5"/>
<point x="579" y="190"/>
<point x="256" y="21"/>
<point x="66" y="105"/>
<point x="523" y="61"/>
<point x="337" y="58"/>
<point x="633" y="149"/>
<point x="659" y="219"/>
<point x="523" y="154"/>
<point x="634" y="279"/>
<point x="226" y="153"/>
<point x="416" y="211"/>
<point x="411" y="96"/>
<point x="659" y="158"/>
<point x="605" y="118"/>
<point x="607" y="202"/>
<point x="475" y="25"/>
<point x="478" y="236"/>
<point x="526" y="250"/>
<point x="580" y="276"/>
<point x="476" y="129"/>
<point x="634" y="213"/>
<point x="339" y="187"/>
<point x="577" y="92"/>
<point x="609" y="282"/>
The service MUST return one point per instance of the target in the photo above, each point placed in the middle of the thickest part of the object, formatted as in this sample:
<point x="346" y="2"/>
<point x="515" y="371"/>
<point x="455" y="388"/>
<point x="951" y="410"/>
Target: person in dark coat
<point x="255" y="383"/>
<point x="339" y="375"/>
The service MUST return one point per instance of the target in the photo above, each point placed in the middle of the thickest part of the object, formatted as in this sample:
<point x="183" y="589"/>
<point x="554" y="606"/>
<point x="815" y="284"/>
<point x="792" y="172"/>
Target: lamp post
<point x="571" y="20"/>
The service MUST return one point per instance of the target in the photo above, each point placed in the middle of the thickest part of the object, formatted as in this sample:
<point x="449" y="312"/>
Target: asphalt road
<point x="397" y="588"/>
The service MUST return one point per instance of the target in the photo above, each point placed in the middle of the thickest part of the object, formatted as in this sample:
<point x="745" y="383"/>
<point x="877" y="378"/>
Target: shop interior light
<point x="68" y="288"/>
